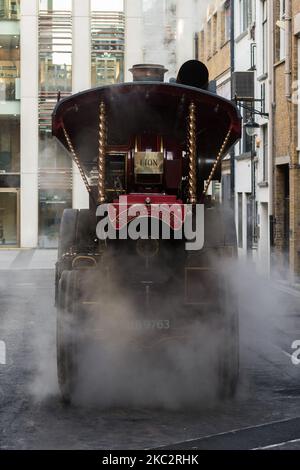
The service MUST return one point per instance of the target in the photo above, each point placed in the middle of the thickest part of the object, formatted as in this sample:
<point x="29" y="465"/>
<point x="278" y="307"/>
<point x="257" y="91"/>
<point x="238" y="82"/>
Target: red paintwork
<point x="173" y="210"/>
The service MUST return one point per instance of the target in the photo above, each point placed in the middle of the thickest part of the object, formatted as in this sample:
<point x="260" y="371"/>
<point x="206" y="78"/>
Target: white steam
<point x="122" y="366"/>
<point x="169" y="30"/>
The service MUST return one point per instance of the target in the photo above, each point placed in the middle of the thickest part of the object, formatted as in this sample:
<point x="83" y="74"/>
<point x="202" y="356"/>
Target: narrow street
<point x="265" y="413"/>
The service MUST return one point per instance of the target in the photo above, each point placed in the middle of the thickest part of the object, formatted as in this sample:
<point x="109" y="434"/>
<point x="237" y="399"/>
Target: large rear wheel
<point x="67" y="334"/>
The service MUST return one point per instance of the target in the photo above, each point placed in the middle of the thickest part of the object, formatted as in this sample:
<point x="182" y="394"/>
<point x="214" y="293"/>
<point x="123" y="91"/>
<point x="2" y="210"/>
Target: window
<point x="201" y="46"/>
<point x="245" y="7"/>
<point x="10" y="10"/>
<point x="264" y="36"/>
<point x="108" y="46"/>
<point x="227" y="21"/>
<point x="9" y="217"/>
<point x="55" y="51"/>
<point x="104" y="5"/>
<point x="56" y="5"/>
<point x="208" y="41"/>
<point x="265" y="160"/>
<point x="240" y="220"/>
<point x="9" y="145"/>
<point x="55" y="73"/>
<point x="246" y="140"/>
<point x="281" y="30"/>
<point x="52" y="203"/>
<point x="214" y="34"/>
<point x="9" y="67"/>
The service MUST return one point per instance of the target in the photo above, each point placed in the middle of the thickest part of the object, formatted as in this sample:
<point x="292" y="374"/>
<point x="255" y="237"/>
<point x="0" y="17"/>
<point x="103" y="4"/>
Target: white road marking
<point x="290" y="356"/>
<point x="233" y="431"/>
<point x="273" y="446"/>
<point x="286" y="353"/>
<point x="287" y="290"/>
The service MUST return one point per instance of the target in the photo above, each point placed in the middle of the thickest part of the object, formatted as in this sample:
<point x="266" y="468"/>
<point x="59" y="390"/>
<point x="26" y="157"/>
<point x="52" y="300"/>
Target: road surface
<point x="265" y="413"/>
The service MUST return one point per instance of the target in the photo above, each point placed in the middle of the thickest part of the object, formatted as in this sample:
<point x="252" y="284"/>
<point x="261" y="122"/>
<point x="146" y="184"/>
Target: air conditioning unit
<point x="243" y="86"/>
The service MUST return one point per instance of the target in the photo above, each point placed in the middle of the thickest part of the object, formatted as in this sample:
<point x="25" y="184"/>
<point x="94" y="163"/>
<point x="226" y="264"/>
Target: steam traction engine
<point x="155" y="143"/>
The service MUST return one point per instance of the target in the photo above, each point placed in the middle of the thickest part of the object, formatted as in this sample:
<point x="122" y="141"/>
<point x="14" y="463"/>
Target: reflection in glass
<point x="9" y="144"/>
<point x="9" y="67"/>
<point x="108" y="45"/>
<point x="52" y="155"/>
<point x="10" y="10"/>
<point x="51" y="206"/>
<point x="8" y="218"/>
<point x="55" y="51"/>
<point x="55" y="165"/>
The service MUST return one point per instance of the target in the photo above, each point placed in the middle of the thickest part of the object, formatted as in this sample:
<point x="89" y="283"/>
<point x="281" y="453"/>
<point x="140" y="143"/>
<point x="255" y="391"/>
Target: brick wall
<point x="285" y="143"/>
<point x="214" y="47"/>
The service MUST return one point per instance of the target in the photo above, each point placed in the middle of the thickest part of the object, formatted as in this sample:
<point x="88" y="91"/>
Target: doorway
<point x="9" y="218"/>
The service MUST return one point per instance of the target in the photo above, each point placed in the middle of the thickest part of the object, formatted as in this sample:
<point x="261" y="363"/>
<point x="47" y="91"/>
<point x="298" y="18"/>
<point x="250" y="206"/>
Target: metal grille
<point x="55" y="179"/>
<point x="55" y="31"/>
<point x="243" y="86"/>
<point x="47" y="102"/>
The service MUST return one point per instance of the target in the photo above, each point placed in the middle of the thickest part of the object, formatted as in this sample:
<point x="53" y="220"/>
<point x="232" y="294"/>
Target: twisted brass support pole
<point x="102" y="152"/>
<point x="218" y="159"/>
<point x="76" y="159"/>
<point x="192" y="153"/>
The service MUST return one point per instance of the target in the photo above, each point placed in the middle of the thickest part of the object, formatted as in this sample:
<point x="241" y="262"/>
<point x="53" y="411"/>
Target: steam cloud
<point x="121" y="366"/>
<point x="161" y="23"/>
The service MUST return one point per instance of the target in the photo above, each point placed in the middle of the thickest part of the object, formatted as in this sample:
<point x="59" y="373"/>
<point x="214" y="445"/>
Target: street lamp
<point x="251" y="127"/>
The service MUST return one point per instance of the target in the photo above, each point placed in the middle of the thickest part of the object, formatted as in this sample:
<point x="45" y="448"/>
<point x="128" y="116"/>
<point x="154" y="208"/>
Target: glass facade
<point x="108" y="42"/>
<point x="55" y="74"/>
<point x="9" y="122"/>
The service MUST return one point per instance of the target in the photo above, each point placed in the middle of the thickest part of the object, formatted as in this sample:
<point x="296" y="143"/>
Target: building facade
<point x="286" y="114"/>
<point x="72" y="45"/>
<point x="253" y="175"/>
<point x="235" y="39"/>
<point x="214" y="49"/>
<point x="265" y="42"/>
<point x="46" y="47"/>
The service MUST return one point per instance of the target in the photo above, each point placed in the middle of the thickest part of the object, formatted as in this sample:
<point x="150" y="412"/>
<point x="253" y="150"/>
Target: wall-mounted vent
<point x="243" y="86"/>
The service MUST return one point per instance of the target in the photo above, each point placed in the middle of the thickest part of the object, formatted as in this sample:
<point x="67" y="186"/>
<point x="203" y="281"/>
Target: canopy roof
<point x="145" y="108"/>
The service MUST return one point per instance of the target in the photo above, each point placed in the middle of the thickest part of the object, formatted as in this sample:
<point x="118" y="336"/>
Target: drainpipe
<point x="271" y="110"/>
<point x="288" y="34"/>
<point x="232" y="66"/>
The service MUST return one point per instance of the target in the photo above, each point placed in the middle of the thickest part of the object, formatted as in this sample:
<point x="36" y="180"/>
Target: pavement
<point x="27" y="259"/>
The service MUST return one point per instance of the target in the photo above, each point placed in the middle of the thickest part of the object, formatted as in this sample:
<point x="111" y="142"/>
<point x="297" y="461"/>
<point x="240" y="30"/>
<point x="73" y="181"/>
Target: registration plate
<point x="150" y="325"/>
